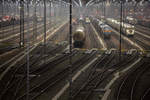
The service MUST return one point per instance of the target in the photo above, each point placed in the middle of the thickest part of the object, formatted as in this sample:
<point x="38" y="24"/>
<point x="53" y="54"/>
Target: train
<point x="81" y="20"/>
<point x="15" y="20"/>
<point x="127" y="29"/>
<point x="79" y="37"/>
<point x="103" y="28"/>
<point x="106" y="31"/>
<point x="142" y="21"/>
<point x="87" y="20"/>
<point x="9" y="20"/>
<point x="131" y="20"/>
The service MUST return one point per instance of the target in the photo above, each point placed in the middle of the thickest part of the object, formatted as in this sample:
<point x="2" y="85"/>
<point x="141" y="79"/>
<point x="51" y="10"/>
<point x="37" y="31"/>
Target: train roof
<point x="118" y="22"/>
<point x="80" y="29"/>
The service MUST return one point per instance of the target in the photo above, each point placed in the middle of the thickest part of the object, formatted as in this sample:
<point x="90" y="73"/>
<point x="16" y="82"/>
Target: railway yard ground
<point x="74" y="49"/>
<point x="98" y="71"/>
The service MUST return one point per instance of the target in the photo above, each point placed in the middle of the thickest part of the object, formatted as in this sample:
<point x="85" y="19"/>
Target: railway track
<point x="92" y="81"/>
<point x="4" y="77"/>
<point x="114" y="40"/>
<point x="14" y="37"/>
<point x="142" y="39"/>
<point x="110" y="44"/>
<point x="142" y="42"/>
<point x="16" y="29"/>
<point x="143" y="29"/>
<point x="39" y="38"/>
<point x="61" y="35"/>
<point x="87" y="89"/>
<point x="146" y="95"/>
<point x="93" y="38"/>
<point x="7" y="48"/>
<point x="133" y="83"/>
<point x="10" y="34"/>
<point x="15" y="40"/>
<point x="20" y="71"/>
<point x="99" y="36"/>
<point x="55" y="78"/>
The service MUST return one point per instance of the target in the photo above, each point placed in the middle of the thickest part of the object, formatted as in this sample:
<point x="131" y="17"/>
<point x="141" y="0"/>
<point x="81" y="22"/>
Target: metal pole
<point x="35" y="22"/>
<point x="134" y="13"/>
<point x="3" y="14"/>
<point x="40" y="10"/>
<point x="44" y="30"/>
<point x="50" y="13"/>
<point x="21" y="23"/>
<point x="70" y="49"/>
<point x="44" y="22"/>
<point x="121" y="15"/>
<point x="1" y="25"/>
<point x="28" y="59"/>
<point x="13" y="28"/>
<point x="104" y="10"/>
<point x="61" y="9"/>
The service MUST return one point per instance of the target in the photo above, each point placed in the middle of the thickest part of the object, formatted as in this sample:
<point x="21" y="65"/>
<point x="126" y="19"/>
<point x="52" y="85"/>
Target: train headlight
<point x="130" y="32"/>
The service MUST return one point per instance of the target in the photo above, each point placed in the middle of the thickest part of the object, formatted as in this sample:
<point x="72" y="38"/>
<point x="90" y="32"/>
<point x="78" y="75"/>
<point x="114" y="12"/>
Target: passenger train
<point x="127" y="29"/>
<point x="131" y="20"/>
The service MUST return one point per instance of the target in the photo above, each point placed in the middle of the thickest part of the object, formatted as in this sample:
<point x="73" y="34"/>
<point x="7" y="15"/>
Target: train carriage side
<point x="127" y="29"/>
